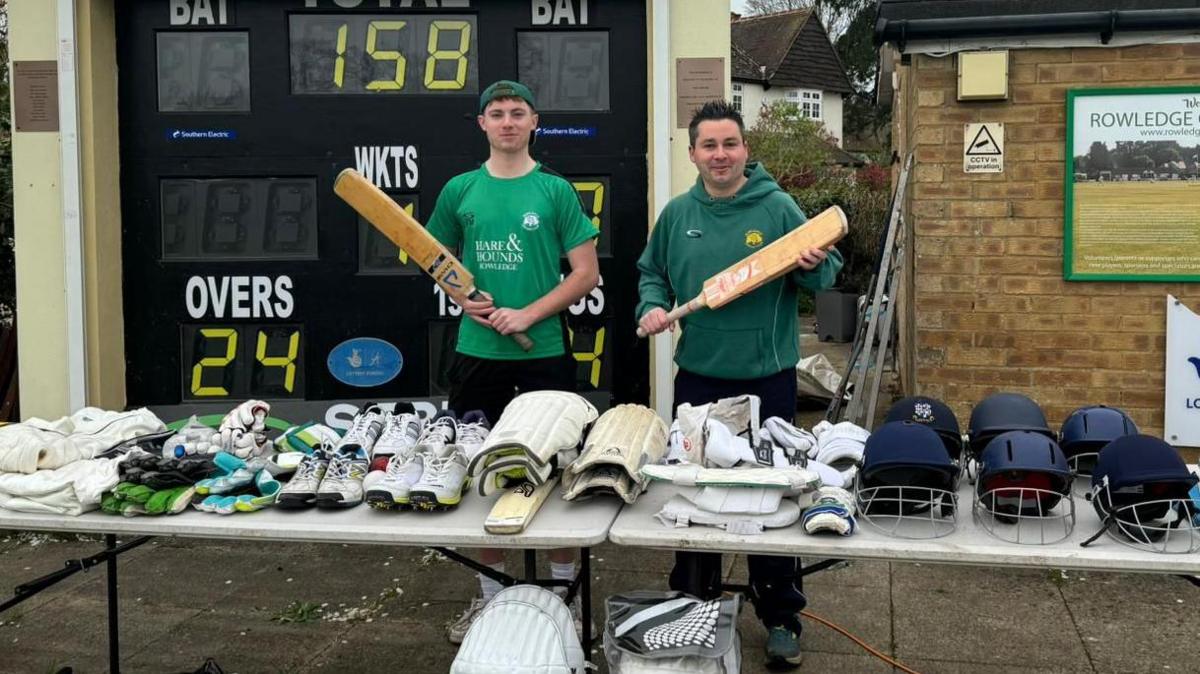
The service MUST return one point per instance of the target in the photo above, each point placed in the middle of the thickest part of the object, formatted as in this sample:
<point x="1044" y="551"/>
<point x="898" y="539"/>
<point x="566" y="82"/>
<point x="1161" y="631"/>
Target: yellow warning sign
<point x="983" y="148"/>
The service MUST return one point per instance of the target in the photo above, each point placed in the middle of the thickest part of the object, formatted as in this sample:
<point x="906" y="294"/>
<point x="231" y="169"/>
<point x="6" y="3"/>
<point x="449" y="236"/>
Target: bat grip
<point x="677" y="313"/>
<point x="522" y="340"/>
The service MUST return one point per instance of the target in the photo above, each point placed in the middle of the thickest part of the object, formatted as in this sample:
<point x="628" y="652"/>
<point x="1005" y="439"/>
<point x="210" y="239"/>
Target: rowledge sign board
<point x="1132" y="185"/>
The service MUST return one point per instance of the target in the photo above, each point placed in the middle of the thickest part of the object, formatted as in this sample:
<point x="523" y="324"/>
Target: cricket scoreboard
<point x="246" y="277"/>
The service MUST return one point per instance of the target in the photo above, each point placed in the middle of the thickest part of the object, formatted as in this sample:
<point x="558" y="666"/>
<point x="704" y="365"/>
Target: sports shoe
<point x="457" y="630"/>
<point x="470" y="432"/>
<point x="439" y="431"/>
<point x="400" y="435"/>
<point x="301" y="490"/>
<point x="783" y="648"/>
<point x="342" y="485"/>
<point x="391" y="488"/>
<point x="364" y="430"/>
<point x="442" y="480"/>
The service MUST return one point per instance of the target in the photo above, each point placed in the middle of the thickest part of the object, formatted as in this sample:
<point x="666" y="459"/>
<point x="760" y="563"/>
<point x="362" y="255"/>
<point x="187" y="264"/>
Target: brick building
<point x="985" y="305"/>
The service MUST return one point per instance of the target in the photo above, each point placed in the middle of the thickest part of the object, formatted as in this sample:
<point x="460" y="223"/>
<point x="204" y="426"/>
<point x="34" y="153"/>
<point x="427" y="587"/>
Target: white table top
<point x="969" y="544"/>
<point x="559" y="524"/>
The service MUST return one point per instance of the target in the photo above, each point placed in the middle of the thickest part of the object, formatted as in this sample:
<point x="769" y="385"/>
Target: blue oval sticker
<point x="365" y="362"/>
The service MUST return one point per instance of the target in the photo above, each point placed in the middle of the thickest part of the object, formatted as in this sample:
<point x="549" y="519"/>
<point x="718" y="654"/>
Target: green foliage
<point x="299" y="612"/>
<point x="791" y="146"/>
<point x="796" y="151"/>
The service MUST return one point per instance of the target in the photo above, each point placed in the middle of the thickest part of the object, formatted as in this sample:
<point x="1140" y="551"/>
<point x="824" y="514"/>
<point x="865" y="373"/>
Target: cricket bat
<point x="408" y="234"/>
<point x="515" y="508"/>
<point x="758" y="269"/>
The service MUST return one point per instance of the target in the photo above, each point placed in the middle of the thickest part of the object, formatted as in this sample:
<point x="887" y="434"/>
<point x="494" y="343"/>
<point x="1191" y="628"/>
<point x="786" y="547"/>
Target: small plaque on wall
<point x="35" y="95"/>
<point x="697" y="81"/>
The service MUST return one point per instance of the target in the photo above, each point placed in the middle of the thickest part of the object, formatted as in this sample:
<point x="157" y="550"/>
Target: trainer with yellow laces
<point x="513" y="220"/>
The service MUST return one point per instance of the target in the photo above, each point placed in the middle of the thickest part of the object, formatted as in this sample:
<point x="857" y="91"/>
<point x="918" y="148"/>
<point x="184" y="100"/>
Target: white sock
<point x="488" y="587"/>
<point x="562" y="571"/>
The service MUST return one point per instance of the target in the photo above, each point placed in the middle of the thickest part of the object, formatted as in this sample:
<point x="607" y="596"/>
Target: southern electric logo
<point x="201" y="134"/>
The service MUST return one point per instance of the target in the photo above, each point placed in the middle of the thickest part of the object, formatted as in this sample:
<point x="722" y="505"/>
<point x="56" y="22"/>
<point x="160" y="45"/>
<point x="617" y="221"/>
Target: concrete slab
<point x="1139" y="636"/>
<point x="996" y="616"/>
<point x="240" y="641"/>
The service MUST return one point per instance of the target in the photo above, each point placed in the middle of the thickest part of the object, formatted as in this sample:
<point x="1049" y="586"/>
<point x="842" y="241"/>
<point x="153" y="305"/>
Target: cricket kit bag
<point x="671" y="633"/>
<point x="524" y="629"/>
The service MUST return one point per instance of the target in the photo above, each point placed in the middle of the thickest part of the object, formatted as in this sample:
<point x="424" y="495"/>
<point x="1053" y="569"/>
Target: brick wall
<point x="990" y="310"/>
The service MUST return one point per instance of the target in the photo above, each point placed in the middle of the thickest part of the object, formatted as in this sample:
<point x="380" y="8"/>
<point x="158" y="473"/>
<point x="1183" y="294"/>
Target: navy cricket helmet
<point x="1140" y="490"/>
<point x="933" y="413"/>
<point x="1024" y="476"/>
<point x="906" y="473"/>
<point x="1088" y="429"/>
<point x="1003" y="412"/>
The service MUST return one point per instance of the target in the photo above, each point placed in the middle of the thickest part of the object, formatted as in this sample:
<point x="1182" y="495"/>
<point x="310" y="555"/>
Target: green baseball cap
<point x="506" y="89"/>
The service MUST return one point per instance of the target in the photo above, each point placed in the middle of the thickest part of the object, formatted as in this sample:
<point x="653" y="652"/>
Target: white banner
<point x="1181" y="425"/>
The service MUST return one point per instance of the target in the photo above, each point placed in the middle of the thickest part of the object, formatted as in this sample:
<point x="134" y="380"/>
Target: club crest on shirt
<point x="531" y="221"/>
<point x="754" y="238"/>
<point x="468" y="219"/>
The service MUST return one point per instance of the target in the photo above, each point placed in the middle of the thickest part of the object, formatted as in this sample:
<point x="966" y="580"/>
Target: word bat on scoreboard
<point x="768" y="264"/>
<point x="403" y="230"/>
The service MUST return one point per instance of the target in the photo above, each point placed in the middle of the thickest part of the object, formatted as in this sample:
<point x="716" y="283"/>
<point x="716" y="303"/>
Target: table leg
<point x="114" y="643"/>
<point x="531" y="566"/>
<point x="585" y="599"/>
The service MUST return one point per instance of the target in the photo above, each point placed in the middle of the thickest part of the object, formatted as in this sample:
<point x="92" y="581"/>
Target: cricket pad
<point x="623" y="440"/>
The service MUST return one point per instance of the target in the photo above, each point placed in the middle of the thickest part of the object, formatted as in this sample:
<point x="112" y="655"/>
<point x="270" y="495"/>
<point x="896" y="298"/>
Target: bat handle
<point x="522" y="340"/>
<point x="678" y="313"/>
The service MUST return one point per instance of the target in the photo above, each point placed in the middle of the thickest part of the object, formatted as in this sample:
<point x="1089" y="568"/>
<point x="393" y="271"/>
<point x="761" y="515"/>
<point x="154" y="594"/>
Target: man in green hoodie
<point x="749" y="346"/>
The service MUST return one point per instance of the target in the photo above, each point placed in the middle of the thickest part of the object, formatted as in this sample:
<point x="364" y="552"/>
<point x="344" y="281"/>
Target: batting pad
<point x="679" y="512"/>
<point x="627" y="436"/>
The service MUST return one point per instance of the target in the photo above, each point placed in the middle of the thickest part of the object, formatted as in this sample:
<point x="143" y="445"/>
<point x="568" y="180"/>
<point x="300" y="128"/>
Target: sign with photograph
<point x="1133" y="185"/>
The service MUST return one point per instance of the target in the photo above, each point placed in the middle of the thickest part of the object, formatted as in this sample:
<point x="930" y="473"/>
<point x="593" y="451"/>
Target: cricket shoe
<point x="439" y="432"/>
<point x="342" y="486"/>
<point x="364" y="430"/>
<point x="390" y="489"/>
<point x="442" y="481"/>
<point x="399" y="437"/>
<point x="301" y="490"/>
<point x="470" y="432"/>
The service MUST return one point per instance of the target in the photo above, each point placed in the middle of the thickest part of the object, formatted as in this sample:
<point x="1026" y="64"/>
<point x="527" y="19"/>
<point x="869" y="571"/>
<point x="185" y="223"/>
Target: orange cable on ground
<point x="837" y="628"/>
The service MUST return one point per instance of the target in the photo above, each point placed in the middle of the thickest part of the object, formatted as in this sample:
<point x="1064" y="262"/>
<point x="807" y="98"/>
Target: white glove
<point x="243" y="431"/>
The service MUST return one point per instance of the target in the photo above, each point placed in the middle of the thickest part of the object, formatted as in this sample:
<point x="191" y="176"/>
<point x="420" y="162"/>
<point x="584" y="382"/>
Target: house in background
<point x="787" y="56"/>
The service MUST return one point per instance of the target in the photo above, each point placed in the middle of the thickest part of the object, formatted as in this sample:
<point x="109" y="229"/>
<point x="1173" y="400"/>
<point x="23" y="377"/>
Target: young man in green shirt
<point x="513" y="219"/>
<point x="750" y="346"/>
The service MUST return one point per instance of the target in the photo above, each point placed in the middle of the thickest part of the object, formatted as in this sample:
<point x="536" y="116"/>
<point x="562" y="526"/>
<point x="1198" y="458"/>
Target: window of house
<point x="737" y="96"/>
<point x="810" y="104"/>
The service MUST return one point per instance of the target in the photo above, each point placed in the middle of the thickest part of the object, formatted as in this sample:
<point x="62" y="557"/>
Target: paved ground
<point x="271" y="607"/>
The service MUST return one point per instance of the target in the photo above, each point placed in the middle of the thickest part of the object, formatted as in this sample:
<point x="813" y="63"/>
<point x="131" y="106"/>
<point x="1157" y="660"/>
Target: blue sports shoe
<point x="783" y="648"/>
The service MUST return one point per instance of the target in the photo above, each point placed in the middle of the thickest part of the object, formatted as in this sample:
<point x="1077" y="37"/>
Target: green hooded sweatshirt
<point x="697" y="236"/>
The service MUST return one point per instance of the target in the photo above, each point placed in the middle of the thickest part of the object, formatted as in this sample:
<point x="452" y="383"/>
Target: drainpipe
<point x="68" y="124"/>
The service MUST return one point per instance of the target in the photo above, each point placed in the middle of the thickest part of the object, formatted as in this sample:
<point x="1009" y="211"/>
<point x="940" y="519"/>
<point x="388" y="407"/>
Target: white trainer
<point x="364" y="430"/>
<point x="457" y="631"/>
<point x="391" y="488"/>
<point x="399" y="437"/>
<point x="470" y="432"/>
<point x="442" y="481"/>
<point x="439" y="432"/>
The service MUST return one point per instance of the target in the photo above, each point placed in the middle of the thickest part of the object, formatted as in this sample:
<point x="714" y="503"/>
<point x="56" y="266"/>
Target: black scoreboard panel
<point x="243" y="272"/>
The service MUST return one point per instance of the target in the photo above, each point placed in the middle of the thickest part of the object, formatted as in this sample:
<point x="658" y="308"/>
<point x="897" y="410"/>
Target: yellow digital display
<point x="242" y="361"/>
<point x="393" y="54"/>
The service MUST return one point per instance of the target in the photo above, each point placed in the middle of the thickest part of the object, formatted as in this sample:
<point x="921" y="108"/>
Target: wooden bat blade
<point x="768" y="264"/>
<point x="777" y="259"/>
<point x="514" y="510"/>
<point x="409" y="236"/>
<point x="403" y="230"/>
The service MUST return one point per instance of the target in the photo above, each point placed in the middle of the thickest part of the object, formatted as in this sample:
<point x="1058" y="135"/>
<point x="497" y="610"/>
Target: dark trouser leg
<point x="776" y="591"/>
<point x="697" y="573"/>
<point x="776" y="588"/>
<point x="480" y="384"/>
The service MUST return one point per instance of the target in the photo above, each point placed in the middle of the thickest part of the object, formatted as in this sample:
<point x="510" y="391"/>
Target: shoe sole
<point x="427" y="500"/>
<point x="334" y="501"/>
<point x="382" y="500"/>
<point x="295" y="502"/>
